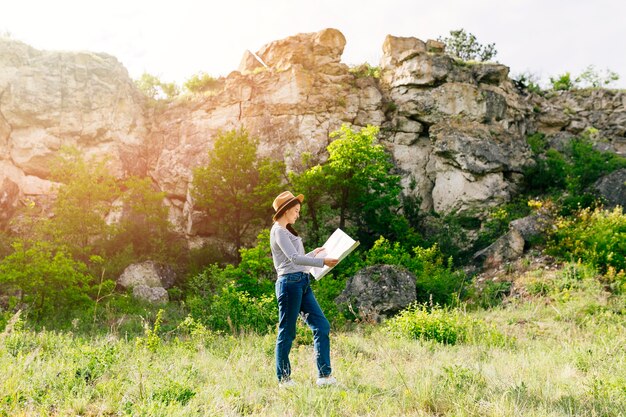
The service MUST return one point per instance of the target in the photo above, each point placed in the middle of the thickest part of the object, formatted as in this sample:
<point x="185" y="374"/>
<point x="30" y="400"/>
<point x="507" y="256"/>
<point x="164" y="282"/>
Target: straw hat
<point x="281" y="203"/>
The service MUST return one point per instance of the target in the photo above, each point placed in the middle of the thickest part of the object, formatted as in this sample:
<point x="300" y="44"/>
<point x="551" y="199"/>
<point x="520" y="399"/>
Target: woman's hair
<point x="284" y="210"/>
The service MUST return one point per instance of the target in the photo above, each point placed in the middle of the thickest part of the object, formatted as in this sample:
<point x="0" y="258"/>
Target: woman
<point x="293" y="291"/>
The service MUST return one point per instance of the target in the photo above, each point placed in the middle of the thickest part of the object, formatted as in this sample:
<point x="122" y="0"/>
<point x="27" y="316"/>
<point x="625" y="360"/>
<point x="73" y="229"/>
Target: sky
<point x="176" y="39"/>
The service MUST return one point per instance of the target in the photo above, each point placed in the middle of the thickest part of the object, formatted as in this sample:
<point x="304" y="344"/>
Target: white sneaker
<point x="287" y="383"/>
<point x="325" y="381"/>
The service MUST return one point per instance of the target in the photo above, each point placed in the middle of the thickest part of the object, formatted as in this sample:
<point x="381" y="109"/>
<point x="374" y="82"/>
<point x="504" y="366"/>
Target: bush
<point x="235" y="311"/>
<point x="45" y="279"/>
<point x="201" y="82"/>
<point x="562" y="82"/>
<point x="597" y="237"/>
<point x="443" y="325"/>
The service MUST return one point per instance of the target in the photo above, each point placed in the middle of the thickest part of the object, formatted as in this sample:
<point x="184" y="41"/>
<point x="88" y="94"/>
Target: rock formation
<point x="379" y="291"/>
<point x="456" y="130"/>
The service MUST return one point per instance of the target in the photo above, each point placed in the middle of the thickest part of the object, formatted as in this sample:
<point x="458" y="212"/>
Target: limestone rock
<point x="250" y="63"/>
<point x="310" y="50"/>
<point x="613" y="188"/>
<point x="508" y="247"/>
<point x="147" y="273"/>
<point x="379" y="291"/>
<point x="530" y="227"/>
<point x="154" y="295"/>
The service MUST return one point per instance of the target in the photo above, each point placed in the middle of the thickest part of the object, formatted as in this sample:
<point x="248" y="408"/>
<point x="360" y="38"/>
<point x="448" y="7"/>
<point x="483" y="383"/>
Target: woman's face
<point x="292" y="214"/>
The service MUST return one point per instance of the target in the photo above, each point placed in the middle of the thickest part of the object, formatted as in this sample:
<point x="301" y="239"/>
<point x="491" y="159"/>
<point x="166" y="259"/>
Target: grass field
<point x="564" y="354"/>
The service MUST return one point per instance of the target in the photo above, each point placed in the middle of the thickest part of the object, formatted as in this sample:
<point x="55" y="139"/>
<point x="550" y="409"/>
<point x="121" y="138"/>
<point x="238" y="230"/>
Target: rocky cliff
<point x="456" y="130"/>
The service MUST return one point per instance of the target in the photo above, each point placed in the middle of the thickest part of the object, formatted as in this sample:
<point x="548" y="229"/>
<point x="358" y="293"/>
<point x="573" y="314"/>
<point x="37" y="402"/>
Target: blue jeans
<point x="294" y="295"/>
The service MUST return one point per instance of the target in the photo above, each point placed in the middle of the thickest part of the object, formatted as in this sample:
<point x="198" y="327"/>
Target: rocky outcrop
<point x="456" y="130"/>
<point x="379" y="291"/>
<point x="465" y="145"/>
<point x="612" y="188"/>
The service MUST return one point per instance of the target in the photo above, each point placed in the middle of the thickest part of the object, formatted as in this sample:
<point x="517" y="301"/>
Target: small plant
<point x="365" y="70"/>
<point x="590" y="77"/>
<point x="562" y="82"/>
<point x="443" y="325"/>
<point x="152" y="340"/>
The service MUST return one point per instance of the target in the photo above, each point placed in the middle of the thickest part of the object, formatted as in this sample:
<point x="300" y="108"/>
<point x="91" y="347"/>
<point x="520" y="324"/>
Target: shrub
<point x="443" y="325"/>
<point x="562" y="82"/>
<point x="597" y="237"/>
<point x="46" y="279"/>
<point x="235" y="311"/>
<point x="365" y="70"/>
<point x="201" y="82"/>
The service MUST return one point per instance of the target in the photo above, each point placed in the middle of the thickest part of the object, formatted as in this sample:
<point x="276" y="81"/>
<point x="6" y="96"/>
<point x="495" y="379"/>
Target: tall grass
<point x="568" y="359"/>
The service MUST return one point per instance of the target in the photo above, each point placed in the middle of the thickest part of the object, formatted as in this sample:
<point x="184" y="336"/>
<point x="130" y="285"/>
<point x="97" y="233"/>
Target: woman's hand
<point x="317" y="250"/>
<point x="330" y="262"/>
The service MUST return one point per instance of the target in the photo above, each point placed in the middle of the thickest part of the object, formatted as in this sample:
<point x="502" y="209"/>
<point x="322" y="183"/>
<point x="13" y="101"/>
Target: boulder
<point x="154" y="295"/>
<point x="149" y="274"/>
<point x="507" y="248"/>
<point x="530" y="227"/>
<point x="613" y="188"/>
<point x="379" y="291"/>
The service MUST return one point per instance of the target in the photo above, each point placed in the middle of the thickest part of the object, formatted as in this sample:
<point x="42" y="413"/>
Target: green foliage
<point x="498" y="219"/>
<point x="597" y="237"/>
<point x="573" y="170"/>
<point x="443" y="325"/>
<point x="236" y="188"/>
<point x="356" y="185"/>
<point x="144" y="224"/>
<point x="591" y="77"/>
<point x="235" y="311"/>
<point x="46" y="279"/>
<point x="562" y="82"/>
<point x="365" y="70"/>
<point x="173" y="392"/>
<point x="83" y="201"/>
<point x="255" y="274"/>
<point x="201" y="82"/>
<point x="151" y="339"/>
<point x="154" y="88"/>
<point x="493" y="293"/>
<point x="465" y="46"/>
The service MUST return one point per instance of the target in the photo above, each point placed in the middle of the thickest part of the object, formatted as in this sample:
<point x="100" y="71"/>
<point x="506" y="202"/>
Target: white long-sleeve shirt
<point x="288" y="252"/>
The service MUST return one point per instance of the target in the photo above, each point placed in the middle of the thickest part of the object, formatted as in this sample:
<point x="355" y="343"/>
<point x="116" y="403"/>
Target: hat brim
<point x="283" y="207"/>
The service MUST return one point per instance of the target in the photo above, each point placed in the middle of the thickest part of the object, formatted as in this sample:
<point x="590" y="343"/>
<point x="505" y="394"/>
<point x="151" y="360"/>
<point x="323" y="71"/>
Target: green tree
<point x="83" y="201"/>
<point x="236" y="188"/>
<point x="154" y="88"/>
<point x="465" y="46"/>
<point x="45" y="278"/>
<point x="356" y="184"/>
<point x="145" y="223"/>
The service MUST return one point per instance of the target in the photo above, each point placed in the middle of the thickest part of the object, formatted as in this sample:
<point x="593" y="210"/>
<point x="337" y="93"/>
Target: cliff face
<point x="456" y="131"/>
